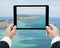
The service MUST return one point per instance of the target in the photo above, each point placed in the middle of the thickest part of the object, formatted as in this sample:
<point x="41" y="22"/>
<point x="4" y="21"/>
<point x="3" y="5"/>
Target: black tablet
<point x="31" y="16"/>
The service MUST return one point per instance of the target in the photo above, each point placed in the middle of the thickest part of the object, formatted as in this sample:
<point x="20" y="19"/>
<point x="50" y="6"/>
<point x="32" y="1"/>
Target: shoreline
<point x="5" y="23"/>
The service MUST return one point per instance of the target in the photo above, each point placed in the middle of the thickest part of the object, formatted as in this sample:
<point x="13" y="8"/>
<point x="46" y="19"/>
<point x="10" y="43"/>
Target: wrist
<point x="57" y="38"/>
<point x="9" y="36"/>
<point x="7" y="39"/>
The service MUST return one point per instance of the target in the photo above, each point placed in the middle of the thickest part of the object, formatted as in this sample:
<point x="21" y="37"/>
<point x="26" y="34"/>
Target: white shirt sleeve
<point x="8" y="40"/>
<point x="55" y="40"/>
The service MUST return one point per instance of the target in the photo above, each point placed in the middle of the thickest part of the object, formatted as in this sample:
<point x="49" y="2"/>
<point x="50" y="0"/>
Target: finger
<point x="48" y="30"/>
<point x="47" y="33"/>
<point x="14" y="29"/>
<point x="10" y="26"/>
<point x="52" y="26"/>
<point x="15" y="33"/>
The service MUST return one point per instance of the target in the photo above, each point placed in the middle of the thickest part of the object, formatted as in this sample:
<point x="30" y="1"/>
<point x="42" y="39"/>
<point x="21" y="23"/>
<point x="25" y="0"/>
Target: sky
<point x="6" y="6"/>
<point x="31" y="10"/>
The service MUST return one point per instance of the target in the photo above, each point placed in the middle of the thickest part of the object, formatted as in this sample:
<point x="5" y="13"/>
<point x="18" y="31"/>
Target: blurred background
<point x="29" y="38"/>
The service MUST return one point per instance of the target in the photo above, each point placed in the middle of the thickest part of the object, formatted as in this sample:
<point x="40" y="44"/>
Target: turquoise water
<point x="38" y="22"/>
<point x="32" y="38"/>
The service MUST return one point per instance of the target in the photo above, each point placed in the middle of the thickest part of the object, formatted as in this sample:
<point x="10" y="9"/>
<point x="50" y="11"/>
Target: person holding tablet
<point x="10" y="33"/>
<point x="51" y="31"/>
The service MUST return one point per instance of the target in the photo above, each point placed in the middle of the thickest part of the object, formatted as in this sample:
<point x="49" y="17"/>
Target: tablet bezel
<point x="15" y="15"/>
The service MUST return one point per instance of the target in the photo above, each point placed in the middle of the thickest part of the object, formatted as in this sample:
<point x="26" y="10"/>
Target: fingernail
<point x="46" y="26"/>
<point x="14" y="26"/>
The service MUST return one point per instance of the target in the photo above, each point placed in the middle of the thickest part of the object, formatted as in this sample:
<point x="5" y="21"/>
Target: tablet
<point x="31" y="16"/>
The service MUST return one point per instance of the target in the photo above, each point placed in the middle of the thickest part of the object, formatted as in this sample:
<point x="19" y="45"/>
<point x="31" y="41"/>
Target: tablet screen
<point x="31" y="17"/>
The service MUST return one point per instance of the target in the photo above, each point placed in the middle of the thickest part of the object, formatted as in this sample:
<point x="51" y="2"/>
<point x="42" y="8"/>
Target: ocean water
<point x="6" y="18"/>
<point x="32" y="38"/>
<point x="34" y="21"/>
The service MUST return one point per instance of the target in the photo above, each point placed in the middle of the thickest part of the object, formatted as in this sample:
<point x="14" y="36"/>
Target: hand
<point x="10" y="31"/>
<point x="52" y="31"/>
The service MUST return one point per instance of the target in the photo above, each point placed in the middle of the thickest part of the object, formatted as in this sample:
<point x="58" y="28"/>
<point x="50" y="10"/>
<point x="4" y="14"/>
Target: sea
<point x="32" y="38"/>
<point x="31" y="21"/>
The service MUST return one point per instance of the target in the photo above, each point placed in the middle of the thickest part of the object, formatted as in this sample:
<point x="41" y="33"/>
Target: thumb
<point x="48" y="30"/>
<point x="47" y="33"/>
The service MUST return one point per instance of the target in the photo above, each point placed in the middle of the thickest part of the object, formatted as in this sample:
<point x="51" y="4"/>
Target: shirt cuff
<point x="55" y="40"/>
<point x="8" y="40"/>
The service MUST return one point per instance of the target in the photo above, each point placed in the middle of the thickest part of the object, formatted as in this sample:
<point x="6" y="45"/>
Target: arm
<point x="53" y="33"/>
<point x="9" y="34"/>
